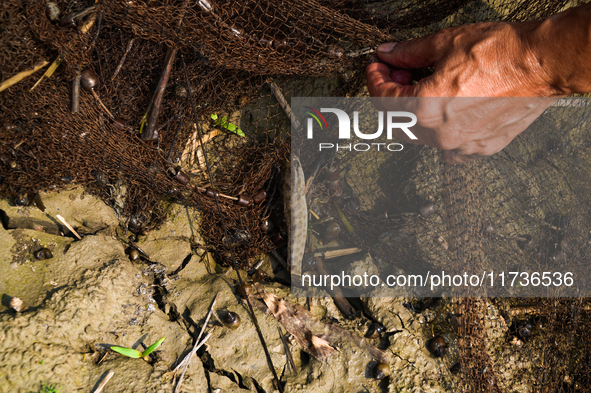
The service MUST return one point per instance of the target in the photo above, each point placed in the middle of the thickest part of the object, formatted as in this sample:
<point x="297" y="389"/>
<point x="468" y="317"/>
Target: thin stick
<point x="188" y="357"/>
<point x="101" y="104"/>
<point x="193" y="352"/>
<point x="76" y="92"/>
<point x="290" y="361"/>
<point x="22" y="75"/>
<point x="63" y="220"/>
<point x="120" y="65"/>
<point x="338" y="253"/>
<point x="100" y="387"/>
<point x="49" y="72"/>
<point x="2" y="338"/>
<point x="284" y="105"/>
<point x="138" y="248"/>
<point x="150" y="131"/>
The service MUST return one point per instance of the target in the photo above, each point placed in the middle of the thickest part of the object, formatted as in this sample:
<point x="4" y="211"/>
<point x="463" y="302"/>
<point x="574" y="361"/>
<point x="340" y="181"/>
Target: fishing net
<point x="527" y="202"/>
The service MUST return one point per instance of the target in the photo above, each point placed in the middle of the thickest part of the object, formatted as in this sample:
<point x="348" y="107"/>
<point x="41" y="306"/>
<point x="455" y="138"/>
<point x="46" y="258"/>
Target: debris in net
<point x="284" y="105"/>
<point x="120" y="65"/>
<point x="301" y="323"/>
<point x="22" y="75"/>
<point x="337" y="294"/>
<point x="104" y="382"/>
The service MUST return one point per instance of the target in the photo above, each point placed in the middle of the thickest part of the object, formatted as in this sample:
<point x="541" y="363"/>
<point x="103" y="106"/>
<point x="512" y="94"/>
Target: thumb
<point x="418" y="53"/>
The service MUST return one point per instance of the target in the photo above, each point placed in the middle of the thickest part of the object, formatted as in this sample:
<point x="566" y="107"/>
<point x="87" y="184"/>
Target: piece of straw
<point x="63" y="220"/>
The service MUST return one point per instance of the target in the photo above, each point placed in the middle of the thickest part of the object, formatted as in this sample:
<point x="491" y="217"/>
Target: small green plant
<point x="46" y="388"/>
<point x="132" y="353"/>
<point x="223" y="122"/>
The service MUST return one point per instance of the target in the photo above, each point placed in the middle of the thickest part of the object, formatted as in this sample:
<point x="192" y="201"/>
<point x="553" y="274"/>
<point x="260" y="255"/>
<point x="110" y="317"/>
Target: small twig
<point x="98" y="29"/>
<point x="188" y="357"/>
<point x="22" y="75"/>
<point x="150" y="131"/>
<point x="193" y="352"/>
<point x="2" y="338"/>
<point x="337" y="253"/>
<point x="284" y="105"/>
<point x="120" y="65"/>
<point x="49" y="72"/>
<point x="101" y="104"/>
<point x="360" y="52"/>
<point x="138" y="248"/>
<point x="100" y="387"/>
<point x="288" y="355"/>
<point x="63" y="220"/>
<point x="76" y="92"/>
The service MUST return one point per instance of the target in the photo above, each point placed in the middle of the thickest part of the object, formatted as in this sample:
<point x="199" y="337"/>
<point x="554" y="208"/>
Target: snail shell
<point x="381" y="371"/>
<point x="428" y="208"/>
<point x="232" y="320"/>
<point x="266" y="225"/>
<point x="43" y="253"/>
<point x="437" y="346"/>
<point x="205" y="5"/>
<point x="134" y="224"/>
<point x="524" y="331"/>
<point x="244" y="290"/>
<point x="16" y="304"/>
<point x="375" y="330"/>
<point x="88" y="79"/>
<point x="52" y="11"/>
<point x="134" y="255"/>
<point x="331" y="231"/>
<point x="22" y="200"/>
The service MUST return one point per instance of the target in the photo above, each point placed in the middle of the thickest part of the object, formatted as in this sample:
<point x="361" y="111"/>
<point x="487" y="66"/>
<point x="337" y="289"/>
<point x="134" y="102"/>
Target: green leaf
<point x="240" y="132"/>
<point x="214" y="116"/>
<point x="132" y="353"/>
<point x="231" y="127"/>
<point x="152" y="347"/>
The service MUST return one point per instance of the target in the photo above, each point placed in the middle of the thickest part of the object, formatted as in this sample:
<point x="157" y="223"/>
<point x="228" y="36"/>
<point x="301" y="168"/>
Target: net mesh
<point x="532" y="195"/>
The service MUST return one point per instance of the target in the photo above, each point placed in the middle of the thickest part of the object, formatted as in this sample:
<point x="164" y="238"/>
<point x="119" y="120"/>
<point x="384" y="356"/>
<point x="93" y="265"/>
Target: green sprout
<point x="223" y="122"/>
<point x="132" y="353"/>
<point x="46" y="388"/>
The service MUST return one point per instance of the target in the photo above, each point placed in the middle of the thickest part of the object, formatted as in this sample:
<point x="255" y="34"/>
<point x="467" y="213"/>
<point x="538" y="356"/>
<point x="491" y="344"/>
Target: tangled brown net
<point x="228" y="51"/>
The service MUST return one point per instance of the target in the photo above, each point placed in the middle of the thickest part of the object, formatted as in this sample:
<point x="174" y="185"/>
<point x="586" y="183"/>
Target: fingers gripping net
<point x="231" y="50"/>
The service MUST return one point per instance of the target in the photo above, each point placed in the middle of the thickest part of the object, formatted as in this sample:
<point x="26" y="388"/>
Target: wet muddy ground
<point x="90" y="296"/>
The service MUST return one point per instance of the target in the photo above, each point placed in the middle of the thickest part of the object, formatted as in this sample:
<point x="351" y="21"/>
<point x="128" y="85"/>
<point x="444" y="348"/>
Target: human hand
<point x="480" y="60"/>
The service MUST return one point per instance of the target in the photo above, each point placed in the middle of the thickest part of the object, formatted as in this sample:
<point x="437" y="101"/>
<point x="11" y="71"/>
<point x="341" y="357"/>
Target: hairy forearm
<point x="562" y="50"/>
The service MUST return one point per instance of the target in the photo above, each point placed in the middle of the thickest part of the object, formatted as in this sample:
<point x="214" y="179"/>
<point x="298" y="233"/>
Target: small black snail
<point x="524" y="331"/>
<point x="437" y="346"/>
<point x="43" y="253"/>
<point x="232" y="320"/>
<point x="374" y="331"/>
<point x="428" y="208"/>
<point x="381" y="371"/>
